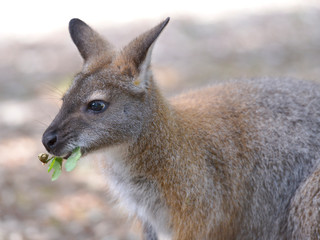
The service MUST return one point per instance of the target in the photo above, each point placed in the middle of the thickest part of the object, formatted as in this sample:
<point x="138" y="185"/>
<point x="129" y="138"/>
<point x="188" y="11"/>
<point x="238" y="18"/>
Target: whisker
<point x="41" y="123"/>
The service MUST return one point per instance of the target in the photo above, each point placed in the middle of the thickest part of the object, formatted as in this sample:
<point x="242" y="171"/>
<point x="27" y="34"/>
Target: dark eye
<point x="97" y="106"/>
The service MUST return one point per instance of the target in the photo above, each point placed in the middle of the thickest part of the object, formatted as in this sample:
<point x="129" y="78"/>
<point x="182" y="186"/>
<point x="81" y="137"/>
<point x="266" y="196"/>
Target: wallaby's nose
<point x="49" y="140"/>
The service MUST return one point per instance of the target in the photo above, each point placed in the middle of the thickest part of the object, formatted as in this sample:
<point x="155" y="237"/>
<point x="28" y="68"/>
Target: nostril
<point x="52" y="141"/>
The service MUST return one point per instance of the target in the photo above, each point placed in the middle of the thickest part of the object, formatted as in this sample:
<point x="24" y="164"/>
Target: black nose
<point x="49" y="140"/>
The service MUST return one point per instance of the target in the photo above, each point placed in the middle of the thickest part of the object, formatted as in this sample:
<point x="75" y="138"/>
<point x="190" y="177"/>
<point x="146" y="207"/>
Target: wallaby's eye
<point x="97" y="106"/>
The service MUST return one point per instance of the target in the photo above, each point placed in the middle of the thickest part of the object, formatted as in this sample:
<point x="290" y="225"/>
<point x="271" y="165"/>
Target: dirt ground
<point x="189" y="54"/>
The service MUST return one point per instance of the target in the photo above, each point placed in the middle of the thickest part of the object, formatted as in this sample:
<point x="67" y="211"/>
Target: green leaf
<point x="53" y="159"/>
<point x="73" y="159"/>
<point x="57" y="167"/>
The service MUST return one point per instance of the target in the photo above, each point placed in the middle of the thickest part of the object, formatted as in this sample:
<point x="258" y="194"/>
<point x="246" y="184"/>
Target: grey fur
<point x="286" y="142"/>
<point x="149" y="232"/>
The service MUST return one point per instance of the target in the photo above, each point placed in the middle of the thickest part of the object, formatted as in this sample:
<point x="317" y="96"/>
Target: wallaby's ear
<point x="88" y="41"/>
<point x="137" y="54"/>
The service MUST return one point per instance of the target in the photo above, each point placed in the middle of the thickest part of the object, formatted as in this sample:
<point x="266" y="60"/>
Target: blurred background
<point x="205" y="42"/>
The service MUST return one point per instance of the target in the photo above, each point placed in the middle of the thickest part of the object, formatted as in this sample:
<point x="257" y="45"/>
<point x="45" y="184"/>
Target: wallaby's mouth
<point x="66" y="156"/>
<point x="84" y="151"/>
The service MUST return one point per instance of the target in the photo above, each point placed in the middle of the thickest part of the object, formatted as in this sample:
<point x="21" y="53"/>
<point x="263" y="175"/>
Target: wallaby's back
<point x="267" y="141"/>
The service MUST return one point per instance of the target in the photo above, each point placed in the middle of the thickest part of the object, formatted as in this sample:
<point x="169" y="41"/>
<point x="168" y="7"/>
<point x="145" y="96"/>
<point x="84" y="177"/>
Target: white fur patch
<point x="98" y="95"/>
<point x="141" y="200"/>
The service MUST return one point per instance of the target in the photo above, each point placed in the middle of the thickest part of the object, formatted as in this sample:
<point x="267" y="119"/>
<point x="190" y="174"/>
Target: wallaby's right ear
<point x="88" y="41"/>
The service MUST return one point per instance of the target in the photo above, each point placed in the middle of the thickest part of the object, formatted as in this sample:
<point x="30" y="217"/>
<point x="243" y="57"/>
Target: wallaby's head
<point x="110" y="100"/>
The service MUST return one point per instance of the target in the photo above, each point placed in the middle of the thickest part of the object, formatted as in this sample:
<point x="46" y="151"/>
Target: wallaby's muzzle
<point x="55" y="138"/>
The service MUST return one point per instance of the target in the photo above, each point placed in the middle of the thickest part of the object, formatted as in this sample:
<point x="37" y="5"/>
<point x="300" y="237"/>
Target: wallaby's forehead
<point x="97" y="79"/>
<point x="104" y="80"/>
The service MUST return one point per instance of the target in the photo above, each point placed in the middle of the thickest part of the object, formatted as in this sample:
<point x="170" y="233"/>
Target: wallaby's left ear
<point x="89" y="43"/>
<point x="137" y="53"/>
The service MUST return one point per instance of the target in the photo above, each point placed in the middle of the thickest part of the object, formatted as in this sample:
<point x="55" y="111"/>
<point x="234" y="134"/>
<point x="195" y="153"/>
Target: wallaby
<point x="237" y="160"/>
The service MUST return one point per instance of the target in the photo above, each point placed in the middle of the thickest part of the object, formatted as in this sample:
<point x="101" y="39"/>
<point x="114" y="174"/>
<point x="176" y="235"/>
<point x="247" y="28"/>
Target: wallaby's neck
<point x="158" y="132"/>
